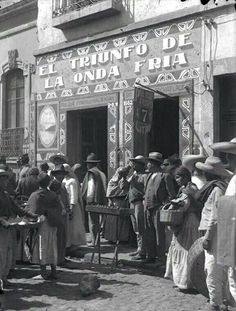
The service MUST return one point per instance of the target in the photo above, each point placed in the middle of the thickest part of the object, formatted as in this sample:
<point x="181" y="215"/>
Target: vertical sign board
<point x="128" y="129"/>
<point x="143" y="110"/>
<point x="186" y="124"/>
<point x="113" y="137"/>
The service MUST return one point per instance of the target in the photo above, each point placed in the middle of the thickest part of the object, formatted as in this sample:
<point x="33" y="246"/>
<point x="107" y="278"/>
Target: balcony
<point x="12" y="142"/>
<point x="68" y="13"/>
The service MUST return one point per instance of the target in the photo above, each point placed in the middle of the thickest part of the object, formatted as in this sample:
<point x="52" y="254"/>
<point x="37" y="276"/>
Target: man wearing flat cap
<point x="94" y="191"/>
<point x="158" y="189"/>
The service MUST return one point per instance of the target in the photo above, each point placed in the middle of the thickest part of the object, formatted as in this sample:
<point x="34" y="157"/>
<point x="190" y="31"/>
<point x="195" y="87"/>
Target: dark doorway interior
<point x="164" y="134"/>
<point x="227" y="106"/>
<point x="87" y="132"/>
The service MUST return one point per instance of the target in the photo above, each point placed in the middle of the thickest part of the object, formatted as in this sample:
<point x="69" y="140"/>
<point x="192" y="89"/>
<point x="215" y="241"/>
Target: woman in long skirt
<point x="46" y="204"/>
<point x="183" y="235"/>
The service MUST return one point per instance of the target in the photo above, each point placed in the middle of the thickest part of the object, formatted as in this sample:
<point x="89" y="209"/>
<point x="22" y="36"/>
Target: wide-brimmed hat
<point x="191" y="159"/>
<point x="225" y="146"/>
<point x="155" y="156"/>
<point x="59" y="157"/>
<point x="59" y="169"/>
<point x="92" y="158"/>
<point x="138" y="159"/>
<point x="213" y="165"/>
<point x="4" y="170"/>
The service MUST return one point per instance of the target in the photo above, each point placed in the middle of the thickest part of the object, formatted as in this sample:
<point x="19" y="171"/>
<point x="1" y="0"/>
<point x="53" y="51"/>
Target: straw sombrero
<point x="190" y="160"/>
<point x="213" y="165"/>
<point x="225" y="146"/>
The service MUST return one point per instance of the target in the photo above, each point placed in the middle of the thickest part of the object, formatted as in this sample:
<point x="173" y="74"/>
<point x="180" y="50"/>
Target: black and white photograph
<point x="118" y="155"/>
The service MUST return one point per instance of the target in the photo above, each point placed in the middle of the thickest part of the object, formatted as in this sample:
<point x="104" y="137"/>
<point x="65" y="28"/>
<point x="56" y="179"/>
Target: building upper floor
<point x="68" y="20"/>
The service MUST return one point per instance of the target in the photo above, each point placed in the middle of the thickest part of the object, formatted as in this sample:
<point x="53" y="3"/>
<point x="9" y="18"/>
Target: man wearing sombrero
<point x="94" y="191"/>
<point x="215" y="174"/>
<point x="226" y="233"/>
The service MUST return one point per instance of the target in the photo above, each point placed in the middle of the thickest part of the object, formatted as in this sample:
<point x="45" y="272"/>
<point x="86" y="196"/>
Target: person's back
<point x="28" y="184"/>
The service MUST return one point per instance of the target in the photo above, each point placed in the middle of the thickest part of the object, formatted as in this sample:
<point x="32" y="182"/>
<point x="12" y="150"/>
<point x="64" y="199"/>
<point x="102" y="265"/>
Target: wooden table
<point x="105" y="210"/>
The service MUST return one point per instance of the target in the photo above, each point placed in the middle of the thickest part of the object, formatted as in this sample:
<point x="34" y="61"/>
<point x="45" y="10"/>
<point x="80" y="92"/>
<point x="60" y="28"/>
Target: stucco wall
<point x="132" y="11"/>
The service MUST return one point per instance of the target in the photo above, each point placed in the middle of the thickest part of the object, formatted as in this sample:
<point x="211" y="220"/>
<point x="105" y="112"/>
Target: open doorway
<point x="86" y="133"/>
<point x="164" y="134"/>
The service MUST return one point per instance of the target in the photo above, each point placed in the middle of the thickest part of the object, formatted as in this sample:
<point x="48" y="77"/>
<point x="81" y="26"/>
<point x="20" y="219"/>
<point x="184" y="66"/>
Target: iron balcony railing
<point x="12" y="142"/>
<point x="60" y="7"/>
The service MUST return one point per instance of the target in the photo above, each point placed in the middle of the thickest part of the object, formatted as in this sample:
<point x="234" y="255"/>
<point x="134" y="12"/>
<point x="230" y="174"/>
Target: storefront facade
<point x="85" y="97"/>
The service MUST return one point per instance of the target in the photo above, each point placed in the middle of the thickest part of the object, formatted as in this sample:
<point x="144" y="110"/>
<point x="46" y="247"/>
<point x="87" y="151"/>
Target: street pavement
<point x="126" y="288"/>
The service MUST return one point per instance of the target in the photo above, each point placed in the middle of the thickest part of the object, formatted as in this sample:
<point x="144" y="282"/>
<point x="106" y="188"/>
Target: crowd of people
<point x="53" y="198"/>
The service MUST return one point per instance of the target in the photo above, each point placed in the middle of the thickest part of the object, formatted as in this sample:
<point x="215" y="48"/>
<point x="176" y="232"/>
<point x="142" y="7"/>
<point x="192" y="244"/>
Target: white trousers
<point x="216" y="277"/>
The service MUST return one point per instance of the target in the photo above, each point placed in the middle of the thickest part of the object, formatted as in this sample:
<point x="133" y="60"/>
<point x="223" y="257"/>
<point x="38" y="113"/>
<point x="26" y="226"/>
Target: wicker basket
<point x="195" y="264"/>
<point x="171" y="217"/>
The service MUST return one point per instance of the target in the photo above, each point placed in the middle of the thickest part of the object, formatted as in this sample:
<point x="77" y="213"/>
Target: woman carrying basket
<point x="184" y="234"/>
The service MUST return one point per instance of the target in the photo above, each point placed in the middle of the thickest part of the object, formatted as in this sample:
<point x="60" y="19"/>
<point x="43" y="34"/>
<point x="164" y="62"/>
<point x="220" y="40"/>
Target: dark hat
<point x="174" y="159"/>
<point x="58" y="158"/>
<point x="33" y="171"/>
<point x="59" y="169"/>
<point x="44" y="166"/>
<point x="55" y="185"/>
<point x="43" y="179"/>
<point x="92" y="158"/>
<point x="155" y="156"/>
<point x="4" y="170"/>
<point x="138" y="159"/>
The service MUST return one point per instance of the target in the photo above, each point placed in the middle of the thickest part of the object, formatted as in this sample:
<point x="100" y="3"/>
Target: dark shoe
<point x="134" y="253"/>
<point x="139" y="257"/>
<point x="150" y="260"/>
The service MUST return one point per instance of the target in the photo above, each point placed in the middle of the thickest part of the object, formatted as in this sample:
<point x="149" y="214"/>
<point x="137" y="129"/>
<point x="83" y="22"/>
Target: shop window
<point x="14" y="99"/>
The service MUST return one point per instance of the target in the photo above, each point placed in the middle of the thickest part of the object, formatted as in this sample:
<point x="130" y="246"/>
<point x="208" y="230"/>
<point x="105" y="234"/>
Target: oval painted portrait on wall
<point x="47" y="126"/>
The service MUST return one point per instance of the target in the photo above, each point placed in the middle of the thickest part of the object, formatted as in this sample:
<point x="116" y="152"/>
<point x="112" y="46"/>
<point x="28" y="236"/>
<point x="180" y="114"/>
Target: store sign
<point x="143" y="108"/>
<point x="11" y="142"/>
<point x="167" y="54"/>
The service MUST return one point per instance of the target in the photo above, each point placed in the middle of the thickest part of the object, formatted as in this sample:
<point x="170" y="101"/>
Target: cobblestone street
<point x="126" y="288"/>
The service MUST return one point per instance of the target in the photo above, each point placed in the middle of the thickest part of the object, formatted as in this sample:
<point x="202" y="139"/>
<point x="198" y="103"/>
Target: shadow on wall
<point x="96" y="26"/>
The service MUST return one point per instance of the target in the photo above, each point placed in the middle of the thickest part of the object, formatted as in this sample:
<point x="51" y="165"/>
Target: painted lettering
<point x="138" y="65"/>
<point x="183" y="40"/>
<point x="114" y="71"/>
<point x="127" y="50"/>
<point x="48" y="84"/>
<point x="169" y="43"/>
<point x="142" y="49"/>
<point x="51" y="69"/>
<point x="42" y="70"/>
<point x="59" y="82"/>
<point x="154" y="63"/>
<point x="179" y="59"/>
